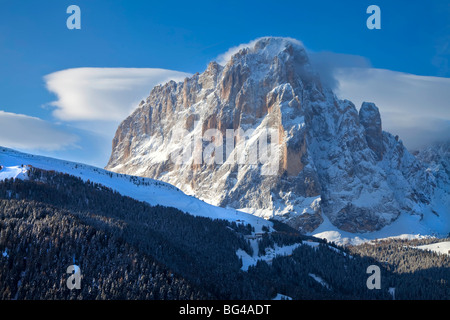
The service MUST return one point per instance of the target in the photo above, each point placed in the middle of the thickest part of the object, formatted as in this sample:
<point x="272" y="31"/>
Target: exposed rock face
<point x="328" y="160"/>
<point x="369" y="117"/>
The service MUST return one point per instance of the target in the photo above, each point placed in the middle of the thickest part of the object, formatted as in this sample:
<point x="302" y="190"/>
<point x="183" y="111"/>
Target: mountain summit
<point x="263" y="134"/>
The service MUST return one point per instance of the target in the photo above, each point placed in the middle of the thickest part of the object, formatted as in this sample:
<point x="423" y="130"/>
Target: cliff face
<point x="323" y="159"/>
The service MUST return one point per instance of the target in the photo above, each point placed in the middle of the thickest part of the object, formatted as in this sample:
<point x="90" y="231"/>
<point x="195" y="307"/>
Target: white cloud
<point x="326" y="63"/>
<point x="103" y="94"/>
<point x="30" y="133"/>
<point x="417" y="108"/>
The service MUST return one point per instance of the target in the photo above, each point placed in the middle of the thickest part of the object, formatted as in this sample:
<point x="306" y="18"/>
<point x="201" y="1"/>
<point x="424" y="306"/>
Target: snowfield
<point x="13" y="172"/>
<point x="407" y="226"/>
<point x="440" y="247"/>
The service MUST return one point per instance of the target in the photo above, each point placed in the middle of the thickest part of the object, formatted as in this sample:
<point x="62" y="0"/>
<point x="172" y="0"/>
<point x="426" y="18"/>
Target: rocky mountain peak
<point x="323" y="159"/>
<point x="270" y="47"/>
<point x="369" y="117"/>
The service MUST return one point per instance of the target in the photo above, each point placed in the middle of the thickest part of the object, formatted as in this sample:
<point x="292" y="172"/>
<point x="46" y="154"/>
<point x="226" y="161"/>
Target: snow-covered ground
<point x="280" y="296"/>
<point x="306" y="205"/>
<point x="440" y="247"/>
<point x="13" y="172"/>
<point x="271" y="253"/>
<point x="407" y="226"/>
<point x="143" y="189"/>
<point x="319" y="280"/>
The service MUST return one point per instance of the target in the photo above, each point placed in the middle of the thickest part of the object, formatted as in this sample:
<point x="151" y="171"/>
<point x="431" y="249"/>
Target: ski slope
<point x="271" y="253"/>
<point x="15" y="165"/>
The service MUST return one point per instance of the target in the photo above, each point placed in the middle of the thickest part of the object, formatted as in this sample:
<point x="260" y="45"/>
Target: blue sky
<point x="185" y="36"/>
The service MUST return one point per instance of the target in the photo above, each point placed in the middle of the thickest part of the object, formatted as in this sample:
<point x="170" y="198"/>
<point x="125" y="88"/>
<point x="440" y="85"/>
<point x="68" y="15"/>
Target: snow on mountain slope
<point x="440" y="247"/>
<point x="405" y="227"/>
<point x="271" y="253"/>
<point x="13" y="172"/>
<point x="143" y="189"/>
<point x="320" y="280"/>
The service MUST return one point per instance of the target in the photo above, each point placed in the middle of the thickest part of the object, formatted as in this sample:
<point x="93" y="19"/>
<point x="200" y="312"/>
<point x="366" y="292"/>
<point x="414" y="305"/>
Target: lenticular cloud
<point x="105" y="94"/>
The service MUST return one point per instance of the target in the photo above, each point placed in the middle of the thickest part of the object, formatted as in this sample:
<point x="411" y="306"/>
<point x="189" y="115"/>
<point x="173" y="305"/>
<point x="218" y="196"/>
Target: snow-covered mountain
<point x="436" y="159"/>
<point x="330" y="163"/>
<point x="15" y="164"/>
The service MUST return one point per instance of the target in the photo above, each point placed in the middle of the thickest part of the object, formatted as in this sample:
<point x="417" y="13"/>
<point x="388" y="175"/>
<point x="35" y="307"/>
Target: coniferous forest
<point x="127" y="249"/>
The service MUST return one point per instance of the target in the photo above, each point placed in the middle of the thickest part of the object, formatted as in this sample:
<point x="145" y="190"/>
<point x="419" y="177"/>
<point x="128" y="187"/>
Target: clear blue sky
<point x="186" y="35"/>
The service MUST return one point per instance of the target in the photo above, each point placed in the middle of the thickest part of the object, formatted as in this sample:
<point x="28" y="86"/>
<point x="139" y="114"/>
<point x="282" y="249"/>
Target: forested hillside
<point x="127" y="249"/>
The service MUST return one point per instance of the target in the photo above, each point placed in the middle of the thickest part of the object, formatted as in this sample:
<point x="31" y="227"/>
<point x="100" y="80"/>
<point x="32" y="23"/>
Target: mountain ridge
<point x="332" y="160"/>
<point x="16" y="165"/>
